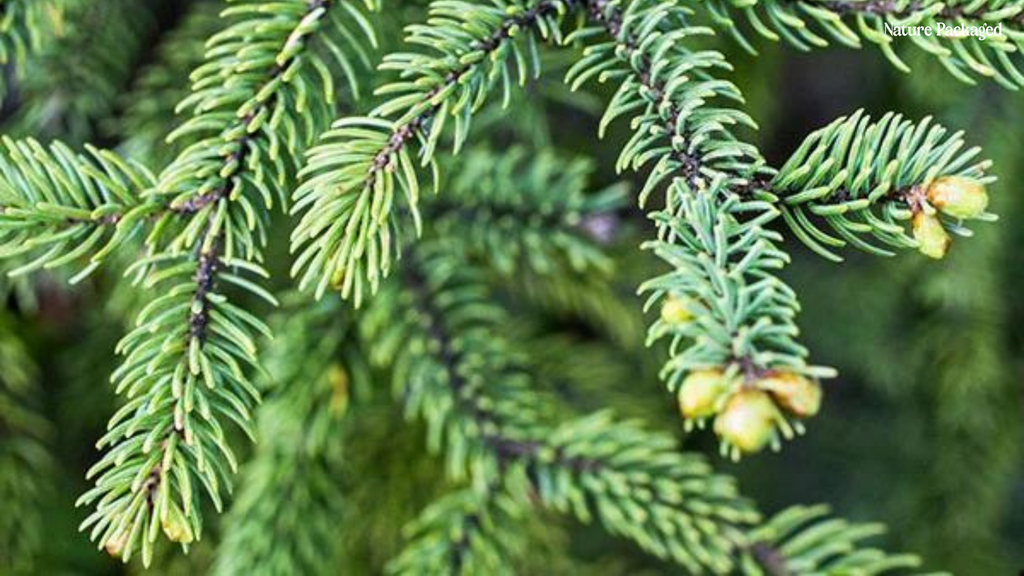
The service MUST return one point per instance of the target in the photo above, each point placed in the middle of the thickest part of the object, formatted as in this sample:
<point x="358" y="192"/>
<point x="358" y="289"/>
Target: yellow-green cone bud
<point x="115" y="545"/>
<point x="676" y="310"/>
<point x="797" y="394"/>
<point x="700" y="392"/>
<point x="932" y="238"/>
<point x="958" y="197"/>
<point x="337" y="377"/>
<point x="748" y="420"/>
<point x="176" y="526"/>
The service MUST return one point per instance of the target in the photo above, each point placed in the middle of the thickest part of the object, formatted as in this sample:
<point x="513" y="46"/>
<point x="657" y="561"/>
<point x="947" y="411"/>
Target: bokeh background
<point x="921" y="430"/>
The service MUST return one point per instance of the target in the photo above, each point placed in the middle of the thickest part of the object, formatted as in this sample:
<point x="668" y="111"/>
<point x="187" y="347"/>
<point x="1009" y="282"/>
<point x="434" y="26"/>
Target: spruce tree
<point x="442" y="286"/>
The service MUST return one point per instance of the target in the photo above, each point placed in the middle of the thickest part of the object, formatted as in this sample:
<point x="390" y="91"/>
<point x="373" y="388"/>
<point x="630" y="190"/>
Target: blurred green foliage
<point x="922" y="430"/>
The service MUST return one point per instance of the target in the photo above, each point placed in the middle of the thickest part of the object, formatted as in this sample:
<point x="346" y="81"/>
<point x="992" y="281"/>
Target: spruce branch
<point x="743" y="330"/>
<point x="635" y="483"/>
<point x="731" y="320"/>
<point x="261" y="96"/>
<point x="803" y="540"/>
<point x="809" y="24"/>
<point x="364" y="167"/>
<point x="439" y="387"/>
<point x="451" y="367"/>
<point x="723" y="306"/>
<point x="865" y="179"/>
<point x="58" y="206"/>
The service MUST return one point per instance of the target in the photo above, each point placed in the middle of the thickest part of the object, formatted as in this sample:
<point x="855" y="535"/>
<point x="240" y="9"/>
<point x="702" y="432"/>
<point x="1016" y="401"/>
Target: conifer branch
<point x="633" y="482"/>
<point x="445" y="325"/>
<point x="865" y="179"/>
<point x="731" y="321"/>
<point x="809" y="24"/>
<point x="803" y="540"/>
<point x="452" y="368"/>
<point x="722" y="305"/>
<point x="262" y="94"/>
<point x="58" y="207"/>
<point x="363" y="168"/>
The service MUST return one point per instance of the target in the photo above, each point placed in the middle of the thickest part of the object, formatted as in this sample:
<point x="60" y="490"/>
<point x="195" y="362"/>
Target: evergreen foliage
<point x="479" y="273"/>
<point x="85" y="58"/>
<point x="149" y="107"/>
<point x="22" y="25"/>
<point x="60" y="206"/>
<point x="813" y="24"/>
<point x="25" y="460"/>
<point x="291" y="484"/>
<point x="187" y="360"/>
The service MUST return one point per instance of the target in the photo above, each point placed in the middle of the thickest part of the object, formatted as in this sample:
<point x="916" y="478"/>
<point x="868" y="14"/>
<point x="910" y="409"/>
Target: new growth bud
<point x="337" y="377"/>
<point x="798" y="395"/>
<point x="748" y="421"/>
<point x="115" y="545"/>
<point x="700" y="393"/>
<point x="932" y="239"/>
<point x="958" y="197"/>
<point x="175" y="525"/>
<point x="676" y="310"/>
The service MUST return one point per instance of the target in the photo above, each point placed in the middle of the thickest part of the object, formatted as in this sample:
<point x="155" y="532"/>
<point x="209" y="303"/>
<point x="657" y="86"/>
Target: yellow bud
<point x="337" y="277"/>
<point x="176" y="526"/>
<point x="115" y="545"/>
<point x="338" y="379"/>
<point x="797" y="394"/>
<point x="700" y="392"/>
<point x="748" y="420"/>
<point x="676" y="310"/>
<point x="931" y="236"/>
<point x="958" y="197"/>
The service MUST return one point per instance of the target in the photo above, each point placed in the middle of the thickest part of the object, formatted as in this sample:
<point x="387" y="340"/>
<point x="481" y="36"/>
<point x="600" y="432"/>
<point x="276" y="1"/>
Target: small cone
<point x="115" y="545"/>
<point x="176" y="526"/>
<point x="932" y="238"/>
<point x="676" y="310"/>
<point x="958" y="197"/>
<point x="748" y="421"/>
<point x="798" y="395"/>
<point x="701" y="390"/>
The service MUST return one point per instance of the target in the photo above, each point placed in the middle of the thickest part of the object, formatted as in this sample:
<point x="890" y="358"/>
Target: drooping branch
<point x="188" y="362"/>
<point x="477" y="401"/>
<point x="723" y="307"/>
<point x="452" y="368"/>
